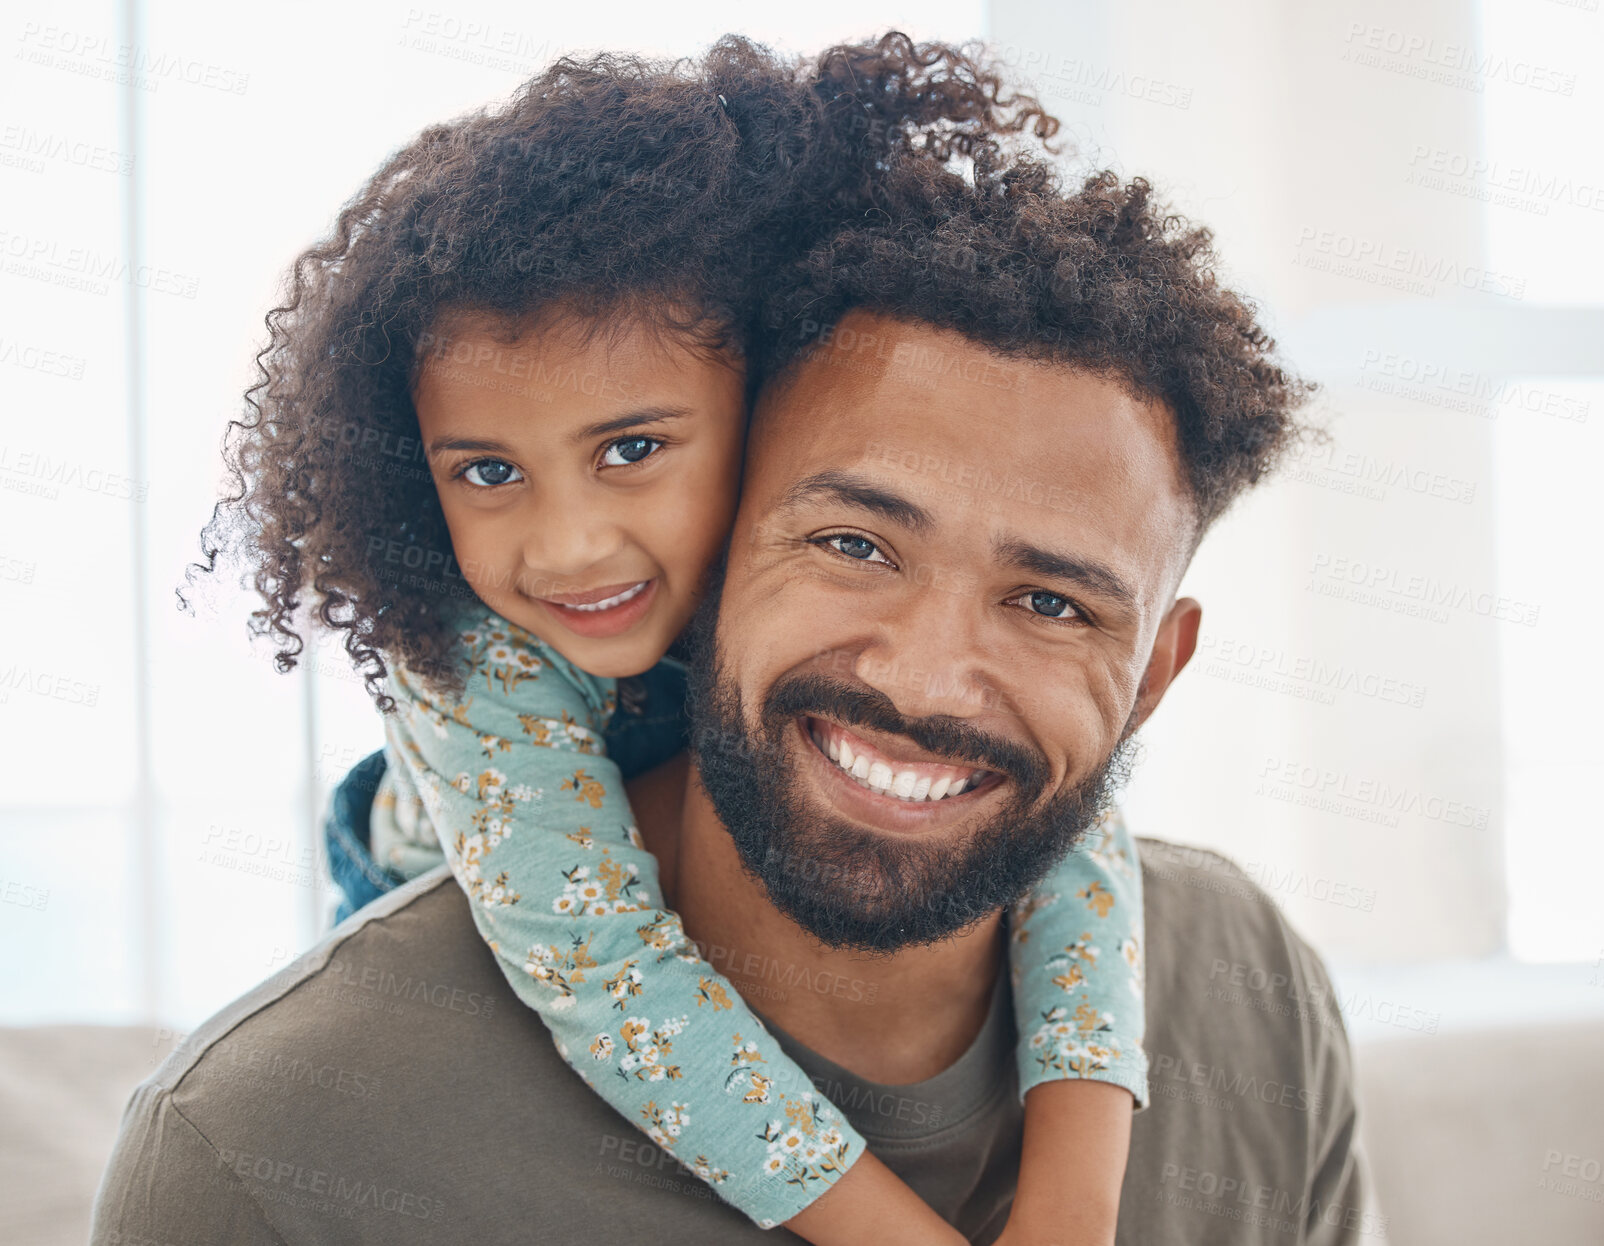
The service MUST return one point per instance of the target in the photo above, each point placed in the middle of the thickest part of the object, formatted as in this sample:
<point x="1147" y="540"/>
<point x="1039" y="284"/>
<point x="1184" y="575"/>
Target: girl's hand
<point x="1014" y="1234"/>
<point x="871" y="1205"/>
<point x="1077" y="1138"/>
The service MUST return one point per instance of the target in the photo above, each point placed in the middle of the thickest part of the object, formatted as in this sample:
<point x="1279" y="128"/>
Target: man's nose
<point x="927" y="655"/>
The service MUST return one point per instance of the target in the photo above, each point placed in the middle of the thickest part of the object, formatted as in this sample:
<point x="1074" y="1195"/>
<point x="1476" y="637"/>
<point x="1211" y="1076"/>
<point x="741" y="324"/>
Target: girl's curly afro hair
<point x="611" y="186"/>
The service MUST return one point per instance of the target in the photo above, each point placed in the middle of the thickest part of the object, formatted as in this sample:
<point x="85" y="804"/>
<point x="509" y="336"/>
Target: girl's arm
<point x="1077" y="1137"/>
<point x="1077" y="965"/>
<point x="538" y="832"/>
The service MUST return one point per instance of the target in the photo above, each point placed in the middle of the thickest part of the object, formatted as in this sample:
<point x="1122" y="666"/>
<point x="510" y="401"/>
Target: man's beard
<point x="849" y="886"/>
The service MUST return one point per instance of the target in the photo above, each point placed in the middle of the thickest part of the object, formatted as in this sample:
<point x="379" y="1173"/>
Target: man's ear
<point x="1172" y="650"/>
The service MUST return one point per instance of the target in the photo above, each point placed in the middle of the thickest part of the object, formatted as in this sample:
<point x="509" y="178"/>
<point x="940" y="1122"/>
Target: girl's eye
<point x="1047" y="605"/>
<point x="853" y="546"/>
<point x="630" y="450"/>
<point x="488" y="473"/>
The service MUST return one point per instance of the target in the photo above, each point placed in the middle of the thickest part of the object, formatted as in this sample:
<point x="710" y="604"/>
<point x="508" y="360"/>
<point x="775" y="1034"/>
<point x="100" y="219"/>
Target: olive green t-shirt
<point x="388" y="1088"/>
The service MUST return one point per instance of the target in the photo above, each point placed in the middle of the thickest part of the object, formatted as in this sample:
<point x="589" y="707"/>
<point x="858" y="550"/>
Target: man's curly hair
<point x="1101" y="278"/>
<point x="614" y="187"/>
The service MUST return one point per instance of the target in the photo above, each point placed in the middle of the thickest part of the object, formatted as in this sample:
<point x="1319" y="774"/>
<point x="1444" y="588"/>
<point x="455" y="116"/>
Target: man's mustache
<point x="857" y="705"/>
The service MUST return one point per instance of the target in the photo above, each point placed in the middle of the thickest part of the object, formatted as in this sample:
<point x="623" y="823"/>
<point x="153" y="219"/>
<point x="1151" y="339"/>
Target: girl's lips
<point x="602" y="612"/>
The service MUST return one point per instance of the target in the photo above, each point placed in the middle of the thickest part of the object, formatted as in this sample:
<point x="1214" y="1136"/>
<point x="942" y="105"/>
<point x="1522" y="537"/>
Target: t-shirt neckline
<point x="917" y="1110"/>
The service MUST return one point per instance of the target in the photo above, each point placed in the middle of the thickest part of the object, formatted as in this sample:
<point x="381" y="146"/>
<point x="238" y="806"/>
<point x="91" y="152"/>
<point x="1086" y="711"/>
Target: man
<point x="996" y="421"/>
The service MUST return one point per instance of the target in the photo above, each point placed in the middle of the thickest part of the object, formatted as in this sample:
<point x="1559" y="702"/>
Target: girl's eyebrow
<point x="618" y="424"/>
<point x="440" y="444"/>
<point x="632" y="419"/>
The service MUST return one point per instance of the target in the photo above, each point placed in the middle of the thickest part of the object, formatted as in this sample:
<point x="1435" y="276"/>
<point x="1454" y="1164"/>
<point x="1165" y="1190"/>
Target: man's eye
<point x="630" y="450"/>
<point x="488" y="473"/>
<point x="1047" y="605"/>
<point x="859" y="547"/>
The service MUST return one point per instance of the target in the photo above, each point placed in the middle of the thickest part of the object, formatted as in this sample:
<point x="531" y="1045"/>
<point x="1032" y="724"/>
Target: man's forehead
<point x="969" y="431"/>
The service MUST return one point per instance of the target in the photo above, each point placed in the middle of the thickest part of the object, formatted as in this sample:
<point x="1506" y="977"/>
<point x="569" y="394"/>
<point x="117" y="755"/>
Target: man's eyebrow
<point x="631" y="419"/>
<point x="862" y="493"/>
<point x="1089" y="574"/>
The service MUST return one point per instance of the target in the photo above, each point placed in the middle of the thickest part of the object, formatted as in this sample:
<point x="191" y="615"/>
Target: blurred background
<point x="1392" y="721"/>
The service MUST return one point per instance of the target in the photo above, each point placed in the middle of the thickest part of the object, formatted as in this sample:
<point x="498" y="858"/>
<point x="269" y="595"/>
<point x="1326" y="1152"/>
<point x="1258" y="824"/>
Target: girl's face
<point x="588" y="485"/>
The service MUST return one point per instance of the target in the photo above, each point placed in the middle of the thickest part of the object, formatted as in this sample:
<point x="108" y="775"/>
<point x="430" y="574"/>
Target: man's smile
<point x="889" y="781"/>
<point x="892" y="771"/>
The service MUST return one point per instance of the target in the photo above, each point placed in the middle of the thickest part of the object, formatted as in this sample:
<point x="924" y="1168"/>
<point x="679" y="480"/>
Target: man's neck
<point x="894" y="1018"/>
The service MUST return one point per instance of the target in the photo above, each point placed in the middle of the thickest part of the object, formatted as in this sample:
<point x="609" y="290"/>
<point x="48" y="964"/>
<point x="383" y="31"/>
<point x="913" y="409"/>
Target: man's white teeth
<point x="878" y="776"/>
<point x="607" y="603"/>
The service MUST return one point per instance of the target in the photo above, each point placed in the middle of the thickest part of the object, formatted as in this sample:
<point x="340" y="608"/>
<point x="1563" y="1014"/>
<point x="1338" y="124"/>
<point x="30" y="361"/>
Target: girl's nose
<point x="561" y="550"/>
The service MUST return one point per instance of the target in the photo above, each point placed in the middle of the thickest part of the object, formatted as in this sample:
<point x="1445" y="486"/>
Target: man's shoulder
<point x="344" y="1093"/>
<point x="1192" y="866"/>
<point x="413" y="948"/>
<point x="1206" y="918"/>
<point x="1189" y="886"/>
<point x="1249" y="1067"/>
<point x="384" y="1088"/>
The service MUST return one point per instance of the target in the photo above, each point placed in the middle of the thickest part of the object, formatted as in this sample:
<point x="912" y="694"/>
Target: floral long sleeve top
<point x="509" y="780"/>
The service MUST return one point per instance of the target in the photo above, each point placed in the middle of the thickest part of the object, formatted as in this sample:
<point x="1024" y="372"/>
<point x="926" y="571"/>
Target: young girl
<point x="498" y="438"/>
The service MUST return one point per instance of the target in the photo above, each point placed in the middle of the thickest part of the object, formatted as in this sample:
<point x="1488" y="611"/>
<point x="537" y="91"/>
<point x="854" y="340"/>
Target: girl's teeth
<point x="607" y="603"/>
